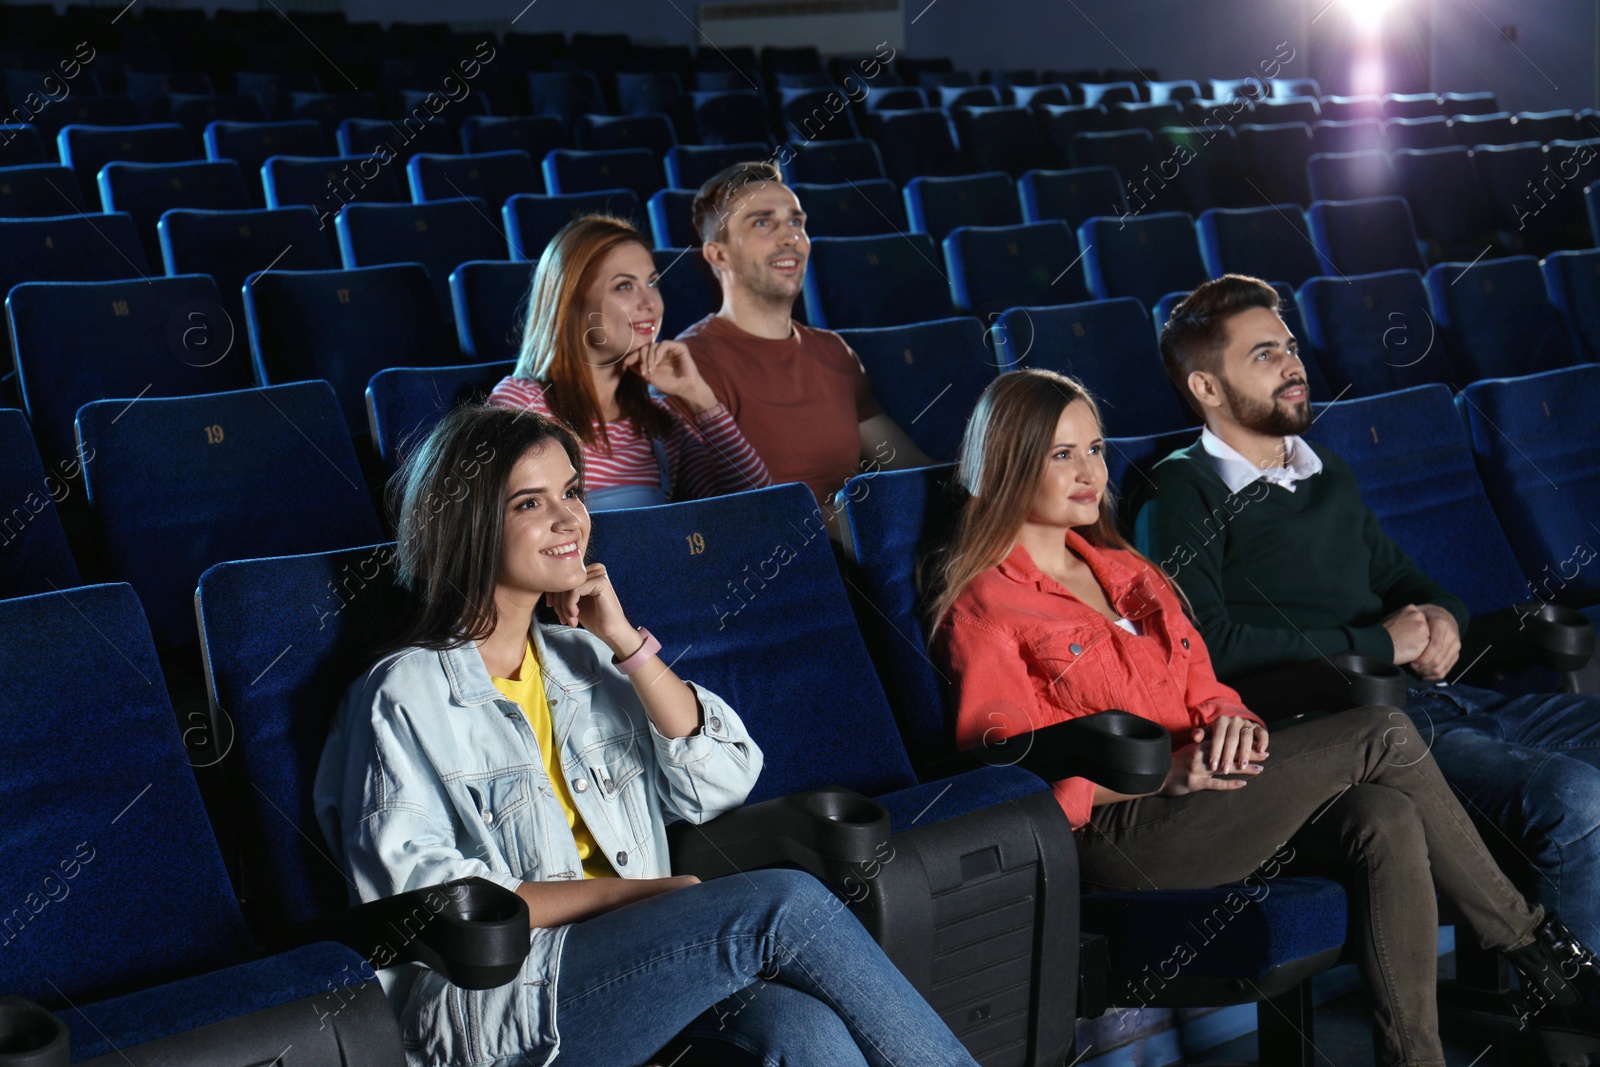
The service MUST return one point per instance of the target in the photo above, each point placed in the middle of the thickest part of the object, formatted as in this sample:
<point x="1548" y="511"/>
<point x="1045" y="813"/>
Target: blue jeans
<point x="1527" y="769"/>
<point x="769" y="961"/>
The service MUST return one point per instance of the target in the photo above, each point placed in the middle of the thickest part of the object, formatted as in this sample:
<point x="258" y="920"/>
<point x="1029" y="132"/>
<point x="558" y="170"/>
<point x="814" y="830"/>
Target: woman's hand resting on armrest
<point x="1232" y="745"/>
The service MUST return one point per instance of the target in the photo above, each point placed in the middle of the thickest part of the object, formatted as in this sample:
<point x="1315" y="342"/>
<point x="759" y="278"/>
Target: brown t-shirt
<point x="798" y="401"/>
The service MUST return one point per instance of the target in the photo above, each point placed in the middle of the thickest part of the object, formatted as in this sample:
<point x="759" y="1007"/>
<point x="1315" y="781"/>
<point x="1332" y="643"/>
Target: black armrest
<point x="30" y="1036"/>
<point x="1548" y="634"/>
<point x="1343" y="680"/>
<point x="1122" y="752"/>
<point x="826" y="831"/>
<point x="471" y="930"/>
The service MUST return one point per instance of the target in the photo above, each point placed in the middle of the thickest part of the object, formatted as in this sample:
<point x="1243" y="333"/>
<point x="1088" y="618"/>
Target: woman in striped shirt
<point x="590" y="357"/>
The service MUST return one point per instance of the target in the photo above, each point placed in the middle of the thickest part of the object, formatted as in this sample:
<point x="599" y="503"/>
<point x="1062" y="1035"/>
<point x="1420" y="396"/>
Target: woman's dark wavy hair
<point x="448" y="500"/>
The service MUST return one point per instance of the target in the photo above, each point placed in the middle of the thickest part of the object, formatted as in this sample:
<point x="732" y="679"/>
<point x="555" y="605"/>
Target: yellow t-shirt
<point x="528" y="692"/>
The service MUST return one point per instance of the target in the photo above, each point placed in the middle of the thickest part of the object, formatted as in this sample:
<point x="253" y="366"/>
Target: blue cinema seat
<point x="109" y="834"/>
<point x="181" y="483"/>
<point x="439" y="234"/>
<point x="493" y="177"/>
<point x="404" y="403"/>
<point x="832" y="162"/>
<point x="250" y="144"/>
<point x="88" y="148"/>
<point x="232" y="245"/>
<point x="38" y="190"/>
<point x="1365" y="236"/>
<point x="1496" y="318"/>
<point x="1537" y="443"/>
<point x="487" y="298"/>
<point x="1269" y="242"/>
<point x="691" y="166"/>
<point x="83" y="341"/>
<point x="1074" y="195"/>
<point x="862" y="282"/>
<point x="1373" y="333"/>
<point x="928" y="376"/>
<point x="1146" y="256"/>
<point x="1573" y="281"/>
<point x="993" y="268"/>
<point x="935" y="206"/>
<point x="532" y="220"/>
<point x="34" y="554"/>
<point x="146" y="191"/>
<point x="1109" y="346"/>
<point x="343" y="326"/>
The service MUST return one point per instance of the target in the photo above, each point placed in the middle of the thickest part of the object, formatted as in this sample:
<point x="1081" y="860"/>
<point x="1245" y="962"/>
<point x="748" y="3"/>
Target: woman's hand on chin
<point x="669" y="367"/>
<point x="593" y="604"/>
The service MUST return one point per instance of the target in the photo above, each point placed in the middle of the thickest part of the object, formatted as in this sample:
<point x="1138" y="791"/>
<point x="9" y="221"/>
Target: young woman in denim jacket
<point x="432" y="772"/>
<point x="1044" y="613"/>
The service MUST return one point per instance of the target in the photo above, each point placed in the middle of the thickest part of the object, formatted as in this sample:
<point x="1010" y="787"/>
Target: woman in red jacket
<point x="1044" y="613"/>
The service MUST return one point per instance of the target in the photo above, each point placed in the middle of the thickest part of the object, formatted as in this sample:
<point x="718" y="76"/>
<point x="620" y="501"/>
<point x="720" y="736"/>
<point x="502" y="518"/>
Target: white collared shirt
<point x="1237" y="472"/>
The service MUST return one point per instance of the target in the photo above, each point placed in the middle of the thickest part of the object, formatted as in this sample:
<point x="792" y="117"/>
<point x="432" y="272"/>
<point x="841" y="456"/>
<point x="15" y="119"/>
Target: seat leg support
<point x="1283" y="1027"/>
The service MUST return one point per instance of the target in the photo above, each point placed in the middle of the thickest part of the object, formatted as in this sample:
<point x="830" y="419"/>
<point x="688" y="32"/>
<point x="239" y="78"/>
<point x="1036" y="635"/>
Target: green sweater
<point x="1274" y="576"/>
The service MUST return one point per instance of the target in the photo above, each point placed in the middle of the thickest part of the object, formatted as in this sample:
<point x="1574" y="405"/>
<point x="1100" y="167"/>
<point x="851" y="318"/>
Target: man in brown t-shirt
<point x="799" y="395"/>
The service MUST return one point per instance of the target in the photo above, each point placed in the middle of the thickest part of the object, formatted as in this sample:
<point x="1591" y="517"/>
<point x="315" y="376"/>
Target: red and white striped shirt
<point x="707" y="457"/>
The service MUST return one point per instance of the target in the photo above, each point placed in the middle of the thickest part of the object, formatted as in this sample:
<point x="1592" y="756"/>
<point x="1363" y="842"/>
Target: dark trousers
<point x="1359" y="798"/>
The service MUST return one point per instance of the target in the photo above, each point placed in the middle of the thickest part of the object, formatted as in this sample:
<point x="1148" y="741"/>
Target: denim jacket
<point x="431" y="773"/>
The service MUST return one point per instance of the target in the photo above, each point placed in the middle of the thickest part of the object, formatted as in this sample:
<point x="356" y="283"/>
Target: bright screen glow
<point x="1368" y="14"/>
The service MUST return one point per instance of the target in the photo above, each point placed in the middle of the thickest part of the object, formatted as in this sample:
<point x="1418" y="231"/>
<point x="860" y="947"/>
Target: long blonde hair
<point x="1001" y="463"/>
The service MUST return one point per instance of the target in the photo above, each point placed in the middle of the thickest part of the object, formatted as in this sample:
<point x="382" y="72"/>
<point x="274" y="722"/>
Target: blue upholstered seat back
<point x="68" y="248"/>
<point x="343" y="326"/>
<point x="892" y="518"/>
<point x="533" y="134"/>
<point x="689" y="166"/>
<point x="571" y="170"/>
<point x="113" y="880"/>
<point x="531" y="220"/>
<point x="1108" y="345"/>
<point x="671" y="214"/>
<point x="83" y="341"/>
<point x="283" y="638"/>
<point x="34" y="554"/>
<point x="1373" y="333"/>
<point x="1573" y="281"/>
<point x="935" y="206"/>
<point x="1445" y="191"/>
<point x="328" y="182"/>
<point x="1129" y="459"/>
<point x="852" y="209"/>
<point x="182" y="483"/>
<point x="492" y="177"/>
<point x="744" y="593"/>
<point x="1497" y="318"/>
<point x="1537" y="440"/>
<point x="487" y="298"/>
<point x="439" y="234"/>
<point x="1264" y="242"/>
<point x="88" y="148"/>
<point x="405" y="403"/>
<point x="1074" y="196"/>
<point x="834" y="162"/>
<point x="38" y="190"/>
<point x="993" y="268"/>
<point x="232" y="245"/>
<point x="928" y="376"/>
<point x="1410" y="454"/>
<point x="147" y="190"/>
<point x="688" y="288"/>
<point x="1144" y="257"/>
<point x="864" y="282"/>
<point x="1365" y="236"/>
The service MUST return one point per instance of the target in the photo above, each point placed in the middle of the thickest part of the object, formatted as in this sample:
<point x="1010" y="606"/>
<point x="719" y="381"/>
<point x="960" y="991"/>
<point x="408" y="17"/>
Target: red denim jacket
<point x="1024" y="653"/>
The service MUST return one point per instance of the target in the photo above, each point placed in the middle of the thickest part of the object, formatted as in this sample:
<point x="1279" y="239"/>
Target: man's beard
<point x="766" y="289"/>
<point x="1267" y="417"/>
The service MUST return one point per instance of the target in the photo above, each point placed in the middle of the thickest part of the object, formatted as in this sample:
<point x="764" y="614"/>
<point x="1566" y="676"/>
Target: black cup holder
<point x="474" y="903"/>
<point x="842" y="806"/>
<point x="828" y="831"/>
<point x="30" y="1036"/>
<point x="1125" y="753"/>
<point x="1366" y="680"/>
<point x="1563" y="637"/>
